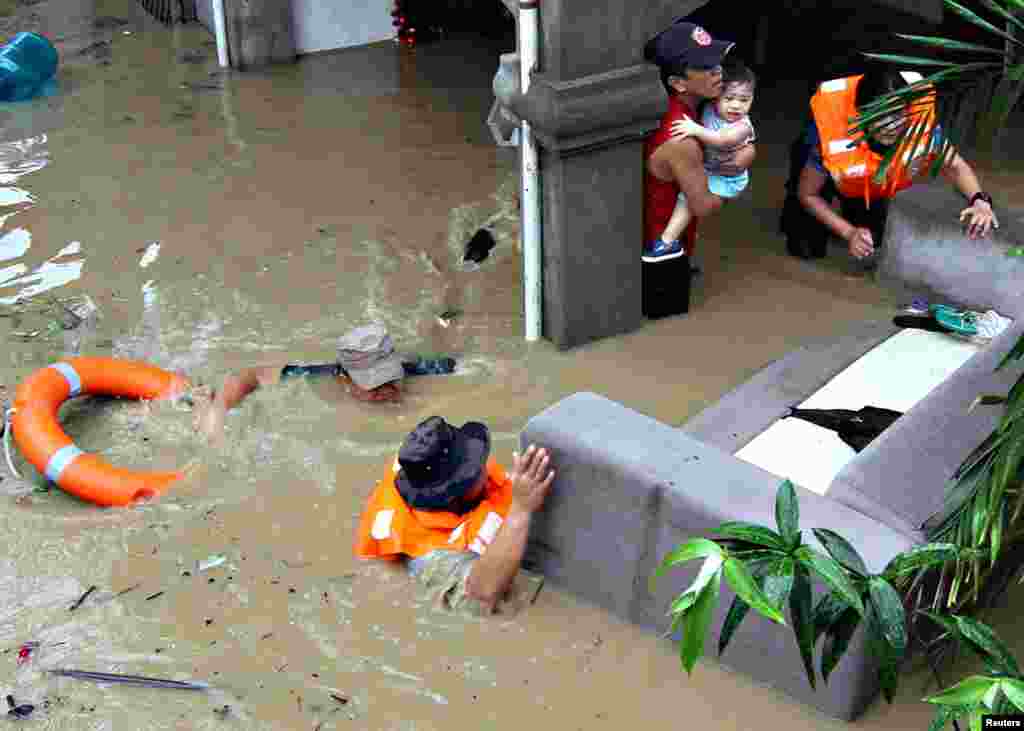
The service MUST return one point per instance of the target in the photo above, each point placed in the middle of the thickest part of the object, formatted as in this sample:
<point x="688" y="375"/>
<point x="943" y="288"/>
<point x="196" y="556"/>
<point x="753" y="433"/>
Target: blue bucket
<point x="26" y="64"/>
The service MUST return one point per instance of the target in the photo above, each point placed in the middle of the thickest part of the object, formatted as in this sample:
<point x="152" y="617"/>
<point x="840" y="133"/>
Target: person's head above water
<point x="878" y="82"/>
<point x="368" y="357"/>
<point x="689" y="59"/>
<point x="738" y="84"/>
<point x="442" y="467"/>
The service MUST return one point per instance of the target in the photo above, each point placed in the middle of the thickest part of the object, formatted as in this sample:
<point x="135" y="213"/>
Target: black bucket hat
<point x="439" y="463"/>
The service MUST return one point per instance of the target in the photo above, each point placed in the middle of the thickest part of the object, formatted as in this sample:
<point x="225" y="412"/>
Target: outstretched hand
<point x="531" y="479"/>
<point x="980" y="219"/>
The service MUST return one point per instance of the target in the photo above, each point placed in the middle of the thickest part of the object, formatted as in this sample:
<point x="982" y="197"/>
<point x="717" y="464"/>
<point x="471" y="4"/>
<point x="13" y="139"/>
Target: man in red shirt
<point x="690" y="61"/>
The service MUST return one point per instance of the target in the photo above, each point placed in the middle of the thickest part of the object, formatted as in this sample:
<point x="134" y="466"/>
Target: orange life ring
<point x="42" y="440"/>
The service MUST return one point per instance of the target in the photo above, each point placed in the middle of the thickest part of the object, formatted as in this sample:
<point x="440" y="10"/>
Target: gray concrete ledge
<point x="926" y="252"/>
<point x="750" y="408"/>
<point x="622" y="99"/>
<point x="630" y="488"/>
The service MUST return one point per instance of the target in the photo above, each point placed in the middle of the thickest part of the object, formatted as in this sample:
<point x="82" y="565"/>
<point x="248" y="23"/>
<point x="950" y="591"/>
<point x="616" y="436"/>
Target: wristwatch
<point x="981" y="196"/>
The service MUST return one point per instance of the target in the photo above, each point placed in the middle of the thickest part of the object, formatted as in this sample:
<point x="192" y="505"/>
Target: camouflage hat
<point x="368" y="356"/>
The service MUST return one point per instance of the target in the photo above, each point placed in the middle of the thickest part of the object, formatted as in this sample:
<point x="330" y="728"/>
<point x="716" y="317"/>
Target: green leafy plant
<point x="770" y="570"/>
<point x="1000" y="690"/>
<point x="975" y="86"/>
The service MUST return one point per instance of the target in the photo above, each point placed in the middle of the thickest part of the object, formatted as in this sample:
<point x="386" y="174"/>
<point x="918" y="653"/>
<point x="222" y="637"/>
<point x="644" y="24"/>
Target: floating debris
<point x="154" y="596"/>
<point x="479" y="247"/>
<point x="133" y="587"/>
<point x="295" y="564"/>
<point x="447" y="317"/>
<point x="23" y="710"/>
<point x="210" y="563"/>
<point x="25" y="652"/>
<point x="82" y="598"/>
<point x="150" y="254"/>
<point x="340" y="699"/>
<point x="129" y="679"/>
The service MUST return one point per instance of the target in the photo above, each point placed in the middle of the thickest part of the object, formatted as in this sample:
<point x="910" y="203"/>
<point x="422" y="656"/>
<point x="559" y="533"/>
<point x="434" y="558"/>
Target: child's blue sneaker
<point x="658" y="250"/>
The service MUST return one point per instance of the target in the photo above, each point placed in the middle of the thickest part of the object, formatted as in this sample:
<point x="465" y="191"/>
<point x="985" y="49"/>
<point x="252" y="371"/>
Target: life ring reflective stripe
<point x="41" y="439"/>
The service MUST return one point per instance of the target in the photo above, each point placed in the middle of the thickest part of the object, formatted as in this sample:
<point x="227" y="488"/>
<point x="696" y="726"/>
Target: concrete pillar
<point x="260" y="32"/>
<point x="591" y="104"/>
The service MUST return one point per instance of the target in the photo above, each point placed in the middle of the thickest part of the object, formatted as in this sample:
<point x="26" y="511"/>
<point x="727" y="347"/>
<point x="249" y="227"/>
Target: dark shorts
<point x="324" y="369"/>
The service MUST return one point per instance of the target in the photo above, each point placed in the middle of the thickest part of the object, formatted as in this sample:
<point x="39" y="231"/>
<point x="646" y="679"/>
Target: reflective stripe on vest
<point x="389" y="528"/>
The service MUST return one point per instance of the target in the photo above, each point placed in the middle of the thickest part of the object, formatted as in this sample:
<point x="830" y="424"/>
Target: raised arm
<point x="236" y="387"/>
<point x="979" y="217"/>
<point x="494" y="572"/>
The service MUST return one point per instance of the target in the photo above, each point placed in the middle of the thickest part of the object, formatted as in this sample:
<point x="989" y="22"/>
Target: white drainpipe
<point x="529" y="18"/>
<point x="220" y="31"/>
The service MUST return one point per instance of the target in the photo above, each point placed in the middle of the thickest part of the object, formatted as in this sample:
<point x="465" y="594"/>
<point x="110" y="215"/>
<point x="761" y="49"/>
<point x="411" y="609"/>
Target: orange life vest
<point x="847" y="157"/>
<point x="389" y="528"/>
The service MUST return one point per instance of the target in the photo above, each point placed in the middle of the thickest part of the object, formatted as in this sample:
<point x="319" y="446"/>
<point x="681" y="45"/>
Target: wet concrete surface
<point x="220" y="220"/>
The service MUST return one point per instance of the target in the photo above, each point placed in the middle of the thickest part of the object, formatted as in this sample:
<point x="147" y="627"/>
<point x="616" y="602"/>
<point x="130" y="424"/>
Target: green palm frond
<point x="948" y="44"/>
<point x="1003" y="13"/>
<point x="973" y="98"/>
<point x="980" y="22"/>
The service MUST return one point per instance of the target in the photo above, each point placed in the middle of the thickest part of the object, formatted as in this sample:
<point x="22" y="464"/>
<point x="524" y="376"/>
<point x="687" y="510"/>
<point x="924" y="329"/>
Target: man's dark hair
<point x="878" y="82"/>
<point x="679" y="68"/>
<point x="738" y="73"/>
<point x="675" y="68"/>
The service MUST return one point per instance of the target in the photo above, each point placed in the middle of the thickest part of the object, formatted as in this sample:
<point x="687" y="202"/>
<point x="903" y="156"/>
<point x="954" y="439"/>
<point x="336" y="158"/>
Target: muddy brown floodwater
<point x="225" y="219"/>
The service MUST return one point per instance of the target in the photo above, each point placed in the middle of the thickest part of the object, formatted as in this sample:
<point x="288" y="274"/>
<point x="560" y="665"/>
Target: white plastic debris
<point x="210" y="563"/>
<point x="991" y="325"/>
<point x="150" y="255"/>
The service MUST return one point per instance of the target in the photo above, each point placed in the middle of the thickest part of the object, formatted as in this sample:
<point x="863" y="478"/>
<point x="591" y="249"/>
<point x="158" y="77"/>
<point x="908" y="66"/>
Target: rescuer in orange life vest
<point x="458" y="518"/>
<point x="825" y="162"/>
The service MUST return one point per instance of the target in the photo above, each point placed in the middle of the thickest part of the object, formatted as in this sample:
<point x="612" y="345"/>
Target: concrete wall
<point x="322" y="25"/>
